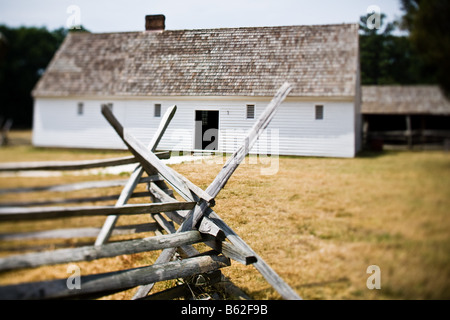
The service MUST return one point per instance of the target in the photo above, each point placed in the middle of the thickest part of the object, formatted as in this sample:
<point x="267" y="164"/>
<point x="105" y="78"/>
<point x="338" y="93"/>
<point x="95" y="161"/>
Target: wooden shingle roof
<point x="396" y="99"/>
<point x="317" y="60"/>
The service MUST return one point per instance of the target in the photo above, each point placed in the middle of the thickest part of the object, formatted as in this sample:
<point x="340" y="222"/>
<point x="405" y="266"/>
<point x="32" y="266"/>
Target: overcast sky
<point x="128" y="15"/>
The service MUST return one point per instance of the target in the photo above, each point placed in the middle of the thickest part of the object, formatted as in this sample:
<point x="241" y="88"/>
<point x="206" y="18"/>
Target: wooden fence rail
<point x="70" y="200"/>
<point x="78" y="186"/>
<point x="196" y="220"/>
<point x="131" y="184"/>
<point x="74" y="165"/>
<point x="17" y="214"/>
<point x="114" y="281"/>
<point x="69" y="233"/>
<point x="88" y="253"/>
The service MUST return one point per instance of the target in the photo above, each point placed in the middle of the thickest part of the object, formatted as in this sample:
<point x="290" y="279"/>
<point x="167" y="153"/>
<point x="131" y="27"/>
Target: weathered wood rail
<point x="74" y="165"/>
<point x="197" y="222"/>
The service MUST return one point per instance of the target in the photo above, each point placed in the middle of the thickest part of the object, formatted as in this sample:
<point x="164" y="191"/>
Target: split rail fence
<point x="197" y="222"/>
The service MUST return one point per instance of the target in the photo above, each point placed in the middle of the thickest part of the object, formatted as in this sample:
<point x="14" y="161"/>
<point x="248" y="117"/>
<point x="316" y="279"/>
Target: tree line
<point x="420" y="57"/>
<point x="25" y="53"/>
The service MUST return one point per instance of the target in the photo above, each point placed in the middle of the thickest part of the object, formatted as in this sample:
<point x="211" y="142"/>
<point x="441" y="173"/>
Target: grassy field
<point x="319" y="222"/>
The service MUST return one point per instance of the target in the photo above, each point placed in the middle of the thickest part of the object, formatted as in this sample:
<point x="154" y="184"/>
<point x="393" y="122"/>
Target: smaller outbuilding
<point x="405" y="115"/>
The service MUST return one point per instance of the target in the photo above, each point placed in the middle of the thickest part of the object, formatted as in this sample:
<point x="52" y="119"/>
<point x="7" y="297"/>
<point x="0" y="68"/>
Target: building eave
<point x="196" y="98"/>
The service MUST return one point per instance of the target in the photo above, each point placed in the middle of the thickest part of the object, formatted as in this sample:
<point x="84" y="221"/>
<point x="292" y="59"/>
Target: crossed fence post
<point x="187" y="190"/>
<point x="132" y="182"/>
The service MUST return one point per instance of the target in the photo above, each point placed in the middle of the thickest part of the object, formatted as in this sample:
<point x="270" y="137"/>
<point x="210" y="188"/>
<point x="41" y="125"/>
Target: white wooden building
<point x="218" y="79"/>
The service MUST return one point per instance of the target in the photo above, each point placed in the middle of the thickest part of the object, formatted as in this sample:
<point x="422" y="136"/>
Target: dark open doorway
<point x="206" y="130"/>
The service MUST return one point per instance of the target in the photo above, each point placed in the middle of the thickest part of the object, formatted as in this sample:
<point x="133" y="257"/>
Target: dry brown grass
<point x="20" y="150"/>
<point x="318" y="222"/>
<point x="321" y="222"/>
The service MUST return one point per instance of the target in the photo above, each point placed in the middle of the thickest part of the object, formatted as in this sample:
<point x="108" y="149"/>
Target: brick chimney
<point x="155" y="22"/>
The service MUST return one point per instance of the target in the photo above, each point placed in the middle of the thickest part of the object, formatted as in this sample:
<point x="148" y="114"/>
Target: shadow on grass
<point x="369" y="154"/>
<point x="266" y="291"/>
<point x="322" y="283"/>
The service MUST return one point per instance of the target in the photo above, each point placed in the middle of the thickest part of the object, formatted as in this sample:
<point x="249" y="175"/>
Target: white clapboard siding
<point x="56" y="123"/>
<point x="293" y="131"/>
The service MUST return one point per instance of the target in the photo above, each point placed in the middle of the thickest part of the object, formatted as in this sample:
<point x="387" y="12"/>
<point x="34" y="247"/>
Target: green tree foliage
<point x="26" y="55"/>
<point x="390" y="59"/>
<point x="429" y="26"/>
